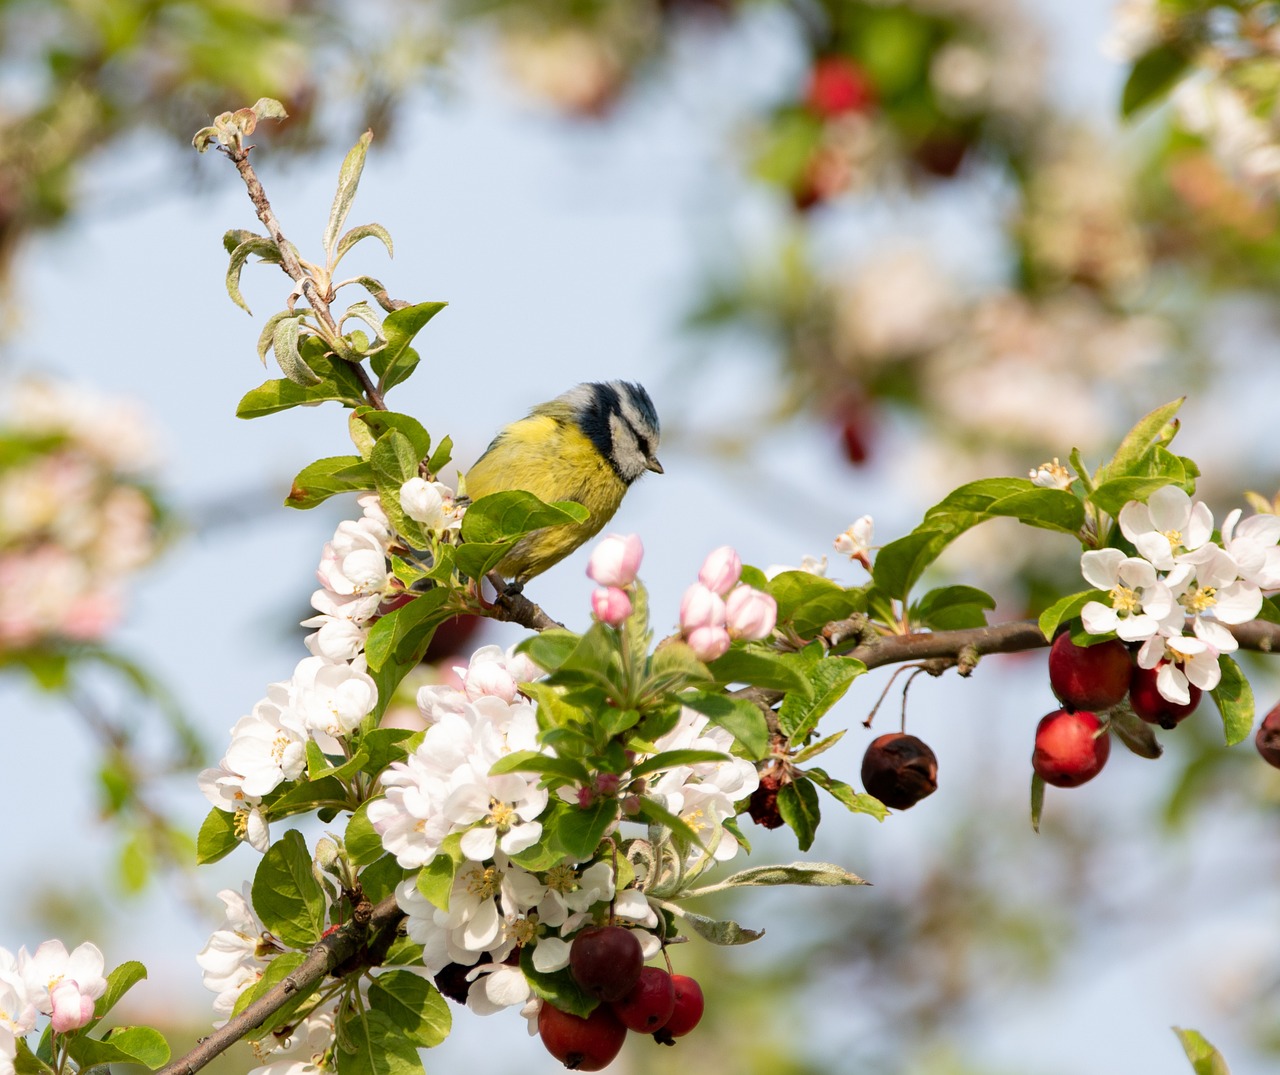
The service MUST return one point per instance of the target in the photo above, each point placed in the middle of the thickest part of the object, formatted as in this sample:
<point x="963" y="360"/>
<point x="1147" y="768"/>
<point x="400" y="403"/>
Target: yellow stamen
<point x="1124" y="599"/>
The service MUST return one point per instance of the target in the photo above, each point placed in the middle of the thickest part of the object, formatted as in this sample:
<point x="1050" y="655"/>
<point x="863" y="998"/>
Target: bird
<point x="588" y="445"/>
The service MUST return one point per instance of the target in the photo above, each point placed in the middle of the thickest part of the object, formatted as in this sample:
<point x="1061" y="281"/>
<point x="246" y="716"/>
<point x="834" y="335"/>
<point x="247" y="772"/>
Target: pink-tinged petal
<point x="708" y="643"/>
<point x="1152" y="652"/>
<point x="721" y="570"/>
<point x="479" y="844"/>
<point x="71" y="1009"/>
<point x="615" y="560"/>
<point x="701" y="607"/>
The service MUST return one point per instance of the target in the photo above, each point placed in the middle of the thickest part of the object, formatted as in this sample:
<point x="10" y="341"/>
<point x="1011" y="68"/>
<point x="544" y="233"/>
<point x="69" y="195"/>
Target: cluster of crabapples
<point x="1072" y="744"/>
<point x="607" y="962"/>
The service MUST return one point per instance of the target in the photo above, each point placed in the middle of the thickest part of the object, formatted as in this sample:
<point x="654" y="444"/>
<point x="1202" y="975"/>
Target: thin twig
<point x="293" y="267"/>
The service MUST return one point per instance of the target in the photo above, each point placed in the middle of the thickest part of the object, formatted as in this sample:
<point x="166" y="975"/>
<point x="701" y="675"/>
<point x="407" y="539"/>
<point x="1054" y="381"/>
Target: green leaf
<point x="550" y="649"/>
<point x="740" y="718"/>
<point x="1234" y="698"/>
<point x="363" y="231"/>
<point x="657" y="814"/>
<point x="324" y="478"/>
<point x="380" y="878"/>
<point x="385" y="745"/>
<point x="899" y="564"/>
<point x="856" y="801"/>
<point x="280" y="968"/>
<point x="1150" y="430"/>
<point x="820" y="874"/>
<point x="286" y="895"/>
<point x="1113" y="495"/>
<point x="27" y="1063"/>
<point x="829" y="679"/>
<point x="509" y="515"/>
<point x="375" y="1046"/>
<point x="1037" y="800"/>
<point x="394" y="458"/>
<point x="809" y="602"/>
<point x="286" y="344"/>
<point x="1135" y="733"/>
<point x="798" y="806"/>
<point x="1205" y="1059"/>
<point x="254" y="244"/>
<point x="397" y="359"/>
<point x="950" y="608"/>
<point x="435" y="880"/>
<point x="670" y="759"/>
<point x="566" y="770"/>
<point x="557" y="987"/>
<point x="363" y="843"/>
<point x="581" y="829"/>
<point x="761" y="666"/>
<point x="1067" y="608"/>
<point x="348" y="182"/>
<point x="122" y="1045"/>
<point x="413" y="1004"/>
<point x="380" y="423"/>
<point x="338" y="382"/>
<point x="717" y="931"/>
<point x="217" y="838"/>
<point x="821" y="746"/>
<point x="1152" y="76"/>
<point x="403" y="633"/>
<point x="441" y="456"/>
<point x="119" y="982"/>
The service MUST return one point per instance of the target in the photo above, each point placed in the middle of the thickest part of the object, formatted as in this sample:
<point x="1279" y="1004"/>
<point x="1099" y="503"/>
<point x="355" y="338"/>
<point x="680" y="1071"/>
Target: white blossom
<point x="1141" y="604"/>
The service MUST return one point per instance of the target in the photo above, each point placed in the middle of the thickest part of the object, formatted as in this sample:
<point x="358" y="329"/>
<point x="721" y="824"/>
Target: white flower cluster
<point x="330" y="692"/>
<point x="234" y="959"/>
<point x="51" y="981"/>
<point x="445" y="789"/>
<point x="1181" y="574"/>
<point x="1243" y="141"/>
<point x="73" y="520"/>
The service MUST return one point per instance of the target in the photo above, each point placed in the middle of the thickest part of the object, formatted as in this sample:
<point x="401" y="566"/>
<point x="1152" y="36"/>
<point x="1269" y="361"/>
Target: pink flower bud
<point x="750" y="614"/>
<point x="489" y="678"/>
<point x="708" y="643"/>
<point x="721" y="570"/>
<point x="616" y="560"/>
<point x="611" y="605"/>
<point x="700" y="607"/>
<point x="70" y="1008"/>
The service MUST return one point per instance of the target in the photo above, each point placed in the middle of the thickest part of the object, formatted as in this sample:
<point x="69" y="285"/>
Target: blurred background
<point x="859" y="253"/>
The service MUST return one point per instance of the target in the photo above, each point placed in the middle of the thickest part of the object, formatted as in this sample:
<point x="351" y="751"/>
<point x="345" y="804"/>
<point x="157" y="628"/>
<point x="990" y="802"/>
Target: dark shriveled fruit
<point x="1268" y="738"/>
<point x="1089" y="677"/>
<point x="581" y="1044"/>
<point x="606" y="961"/>
<point x="899" y="770"/>
<point x="763" y="805"/>
<point x="1069" y="748"/>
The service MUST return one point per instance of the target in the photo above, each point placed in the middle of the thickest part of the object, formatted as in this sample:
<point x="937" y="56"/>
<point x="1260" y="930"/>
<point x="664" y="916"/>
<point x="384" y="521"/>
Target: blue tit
<point x="587" y="445"/>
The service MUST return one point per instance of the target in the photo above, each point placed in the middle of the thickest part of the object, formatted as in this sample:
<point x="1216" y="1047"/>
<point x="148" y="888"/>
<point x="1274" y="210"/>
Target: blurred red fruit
<point x="606" y="961"/>
<point x="838" y="85"/>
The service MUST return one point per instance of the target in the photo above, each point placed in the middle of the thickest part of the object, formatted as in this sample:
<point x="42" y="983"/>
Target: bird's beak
<point x="654" y="465"/>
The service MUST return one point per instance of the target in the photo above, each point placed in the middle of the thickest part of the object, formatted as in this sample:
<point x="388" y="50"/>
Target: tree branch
<point x="340" y="949"/>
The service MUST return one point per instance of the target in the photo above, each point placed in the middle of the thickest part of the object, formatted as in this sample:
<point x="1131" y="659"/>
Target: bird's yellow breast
<point x="554" y="460"/>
